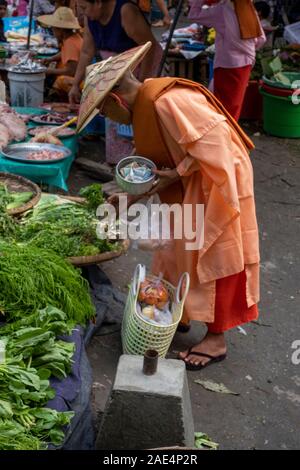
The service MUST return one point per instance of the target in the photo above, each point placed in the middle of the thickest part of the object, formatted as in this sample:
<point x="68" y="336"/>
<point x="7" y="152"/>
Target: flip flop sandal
<point x="213" y="360"/>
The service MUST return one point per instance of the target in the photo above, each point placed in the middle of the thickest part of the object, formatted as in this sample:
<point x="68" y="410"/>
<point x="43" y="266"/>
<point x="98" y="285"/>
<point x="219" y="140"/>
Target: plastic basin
<point x="293" y="77"/>
<point x="281" y="116"/>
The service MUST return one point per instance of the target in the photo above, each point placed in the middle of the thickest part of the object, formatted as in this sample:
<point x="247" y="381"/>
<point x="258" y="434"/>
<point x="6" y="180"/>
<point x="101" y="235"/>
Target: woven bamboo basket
<point x="96" y="259"/>
<point x="19" y="184"/>
<point x="138" y="335"/>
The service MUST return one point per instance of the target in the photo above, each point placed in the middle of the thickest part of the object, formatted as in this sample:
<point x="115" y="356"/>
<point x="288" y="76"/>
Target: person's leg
<point x="166" y="20"/>
<point x="230" y="87"/>
<point x="231" y="310"/>
<point x="212" y="344"/>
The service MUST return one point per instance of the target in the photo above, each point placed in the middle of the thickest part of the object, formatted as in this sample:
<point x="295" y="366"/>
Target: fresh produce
<point x="18" y="199"/>
<point x="93" y="194"/>
<point x="7" y="223"/>
<point x="67" y="228"/>
<point x="13" y="436"/>
<point x="50" y="317"/>
<point x="13" y="199"/>
<point x="153" y="293"/>
<point x="24" y="423"/>
<point x="40" y="346"/>
<point x="32" y="355"/>
<point x="32" y="278"/>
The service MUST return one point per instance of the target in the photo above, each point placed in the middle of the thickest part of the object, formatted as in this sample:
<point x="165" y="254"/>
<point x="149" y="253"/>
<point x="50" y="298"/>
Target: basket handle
<point x="185" y="277"/>
<point x="138" y="277"/>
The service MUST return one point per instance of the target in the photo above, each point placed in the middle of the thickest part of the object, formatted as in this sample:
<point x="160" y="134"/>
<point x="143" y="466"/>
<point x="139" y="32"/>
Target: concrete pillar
<point x="145" y="412"/>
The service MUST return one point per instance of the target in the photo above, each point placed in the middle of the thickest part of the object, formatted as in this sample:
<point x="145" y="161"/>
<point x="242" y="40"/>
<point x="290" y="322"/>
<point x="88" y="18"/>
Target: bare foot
<point x="212" y="344"/>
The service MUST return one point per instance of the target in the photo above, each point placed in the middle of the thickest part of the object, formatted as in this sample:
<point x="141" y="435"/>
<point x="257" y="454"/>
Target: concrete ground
<point x="266" y="413"/>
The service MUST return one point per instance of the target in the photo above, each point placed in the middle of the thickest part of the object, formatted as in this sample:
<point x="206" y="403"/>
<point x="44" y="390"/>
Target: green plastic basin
<point x="281" y="116"/>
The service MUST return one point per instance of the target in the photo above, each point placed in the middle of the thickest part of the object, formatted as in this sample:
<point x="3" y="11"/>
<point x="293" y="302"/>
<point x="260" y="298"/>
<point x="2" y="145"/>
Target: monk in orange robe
<point x="179" y="125"/>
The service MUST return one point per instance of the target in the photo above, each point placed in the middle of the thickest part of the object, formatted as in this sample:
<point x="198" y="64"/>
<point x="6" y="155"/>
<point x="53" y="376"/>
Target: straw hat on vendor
<point x="62" y="18"/>
<point x="203" y="158"/>
<point x="60" y="79"/>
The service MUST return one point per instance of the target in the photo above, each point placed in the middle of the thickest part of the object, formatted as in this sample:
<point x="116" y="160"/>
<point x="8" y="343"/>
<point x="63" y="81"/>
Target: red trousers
<point x="231" y="307"/>
<point x="230" y="87"/>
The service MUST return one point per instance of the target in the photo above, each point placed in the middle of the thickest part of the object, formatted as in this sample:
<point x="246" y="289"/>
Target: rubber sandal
<point x="183" y="327"/>
<point x="213" y="360"/>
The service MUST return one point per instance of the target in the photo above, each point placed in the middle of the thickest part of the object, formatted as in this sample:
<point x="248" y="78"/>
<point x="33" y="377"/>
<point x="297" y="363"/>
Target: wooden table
<point x="196" y="69"/>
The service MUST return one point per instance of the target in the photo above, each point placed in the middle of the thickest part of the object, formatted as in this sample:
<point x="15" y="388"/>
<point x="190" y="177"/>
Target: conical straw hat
<point x="63" y="18"/>
<point x="101" y="79"/>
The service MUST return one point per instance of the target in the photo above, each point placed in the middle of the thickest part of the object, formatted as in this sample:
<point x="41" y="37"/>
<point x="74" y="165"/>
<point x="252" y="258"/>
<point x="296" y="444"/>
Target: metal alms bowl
<point x="129" y="187"/>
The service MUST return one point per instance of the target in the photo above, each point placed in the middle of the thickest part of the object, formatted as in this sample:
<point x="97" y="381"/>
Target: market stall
<point x="53" y="174"/>
<point x="47" y="306"/>
<point x="187" y="53"/>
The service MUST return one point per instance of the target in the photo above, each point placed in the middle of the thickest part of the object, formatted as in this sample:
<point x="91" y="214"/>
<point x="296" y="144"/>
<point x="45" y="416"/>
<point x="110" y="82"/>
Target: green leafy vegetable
<point x="18" y="199"/>
<point x="203" y="441"/>
<point x="93" y="194"/>
<point x="7" y="223"/>
<point x="32" y="278"/>
<point x="33" y="354"/>
<point x="67" y="228"/>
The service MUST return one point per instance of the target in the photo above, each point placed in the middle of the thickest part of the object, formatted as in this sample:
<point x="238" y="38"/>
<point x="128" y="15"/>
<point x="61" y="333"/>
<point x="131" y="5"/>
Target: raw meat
<point x="4" y="136"/>
<point x="66" y="132"/>
<point x="15" y="125"/>
<point x="44" y="155"/>
<point x="44" y="138"/>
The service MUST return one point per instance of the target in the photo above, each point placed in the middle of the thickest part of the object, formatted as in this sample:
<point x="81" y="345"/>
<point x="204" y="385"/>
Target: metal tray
<point x="38" y="120"/>
<point x="19" y="151"/>
<point x="69" y="132"/>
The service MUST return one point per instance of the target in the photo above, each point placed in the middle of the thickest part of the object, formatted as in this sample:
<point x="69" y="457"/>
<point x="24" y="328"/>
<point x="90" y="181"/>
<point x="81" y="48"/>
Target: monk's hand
<point x="165" y="179"/>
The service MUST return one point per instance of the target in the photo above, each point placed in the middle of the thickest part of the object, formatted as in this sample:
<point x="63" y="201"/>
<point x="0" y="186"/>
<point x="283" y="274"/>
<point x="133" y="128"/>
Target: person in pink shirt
<point x="23" y="7"/>
<point x="239" y="34"/>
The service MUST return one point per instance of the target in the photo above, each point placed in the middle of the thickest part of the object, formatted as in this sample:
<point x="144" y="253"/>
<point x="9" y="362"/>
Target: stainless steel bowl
<point x="130" y="187"/>
<point x="19" y="152"/>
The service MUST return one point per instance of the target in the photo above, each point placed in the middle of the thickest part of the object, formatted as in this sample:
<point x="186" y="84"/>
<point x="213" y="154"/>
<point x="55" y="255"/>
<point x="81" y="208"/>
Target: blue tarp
<point x="74" y="392"/>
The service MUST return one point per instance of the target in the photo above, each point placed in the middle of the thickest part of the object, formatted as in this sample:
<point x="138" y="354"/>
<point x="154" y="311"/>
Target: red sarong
<point x="230" y="87"/>
<point x="231" y="307"/>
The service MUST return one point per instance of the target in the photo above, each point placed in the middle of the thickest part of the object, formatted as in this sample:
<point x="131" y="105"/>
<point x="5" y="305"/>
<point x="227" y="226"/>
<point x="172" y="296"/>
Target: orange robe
<point x="176" y="126"/>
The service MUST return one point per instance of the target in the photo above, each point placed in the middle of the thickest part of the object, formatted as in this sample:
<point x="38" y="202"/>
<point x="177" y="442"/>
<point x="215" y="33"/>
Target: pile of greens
<point x="32" y="278"/>
<point x="7" y="223"/>
<point x="38" y="345"/>
<point x="32" y="355"/>
<point x="12" y="199"/>
<point x="93" y="194"/>
<point x="65" y="227"/>
<point x="42" y="296"/>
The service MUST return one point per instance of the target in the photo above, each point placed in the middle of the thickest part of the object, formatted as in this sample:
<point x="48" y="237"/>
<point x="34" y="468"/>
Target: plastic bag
<point x="155" y="308"/>
<point x="155" y="232"/>
<point x="153" y="293"/>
